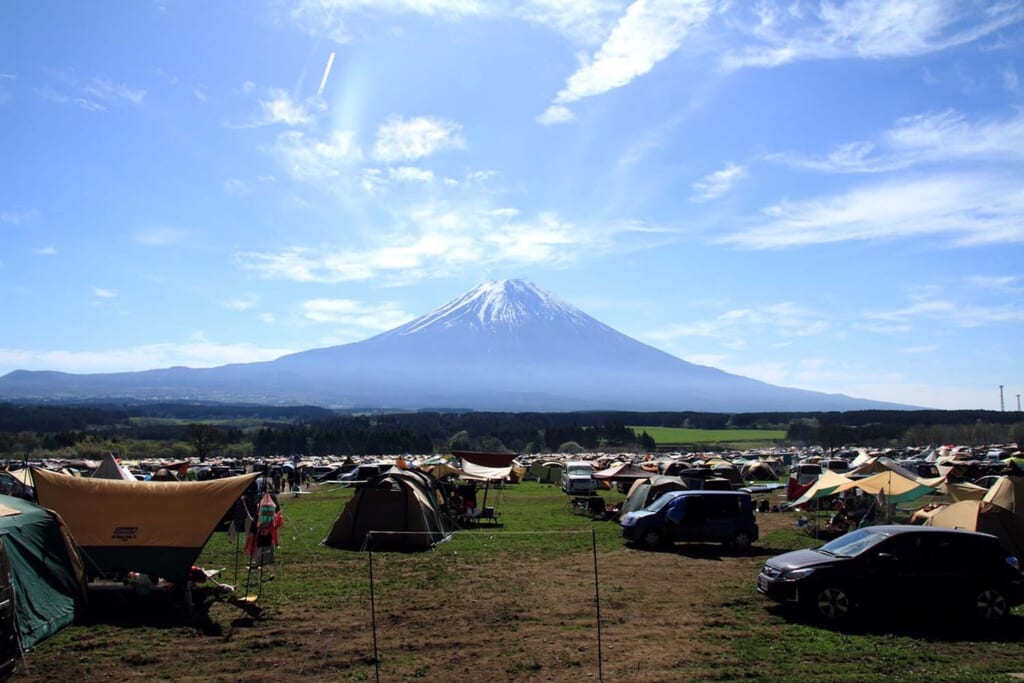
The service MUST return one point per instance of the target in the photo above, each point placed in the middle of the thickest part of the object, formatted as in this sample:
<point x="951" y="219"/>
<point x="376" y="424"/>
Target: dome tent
<point x="402" y="508"/>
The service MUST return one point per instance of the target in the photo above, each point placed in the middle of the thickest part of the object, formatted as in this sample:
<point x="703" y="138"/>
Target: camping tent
<point x="643" y="492"/>
<point x="547" y="472"/>
<point x="1008" y="493"/>
<point x="46" y="571"/>
<point x="403" y="505"/>
<point x="109" y="469"/>
<point x="156" y="528"/>
<point x="979" y="515"/>
<point x="759" y="471"/>
<point x="964" y="490"/>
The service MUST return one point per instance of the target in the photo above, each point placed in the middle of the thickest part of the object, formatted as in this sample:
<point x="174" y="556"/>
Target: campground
<point x="509" y="603"/>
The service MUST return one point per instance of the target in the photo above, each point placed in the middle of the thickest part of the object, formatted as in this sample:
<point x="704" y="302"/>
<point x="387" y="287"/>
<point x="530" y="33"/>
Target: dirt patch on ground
<point x="501" y="618"/>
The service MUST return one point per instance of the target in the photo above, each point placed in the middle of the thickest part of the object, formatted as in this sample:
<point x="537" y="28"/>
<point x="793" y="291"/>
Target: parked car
<point x="836" y="465"/>
<point x="578" y="478"/>
<point x="708" y="516"/>
<point x="894" y="567"/>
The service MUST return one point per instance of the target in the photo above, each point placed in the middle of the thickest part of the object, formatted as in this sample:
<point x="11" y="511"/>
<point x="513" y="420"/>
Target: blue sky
<point x="823" y="195"/>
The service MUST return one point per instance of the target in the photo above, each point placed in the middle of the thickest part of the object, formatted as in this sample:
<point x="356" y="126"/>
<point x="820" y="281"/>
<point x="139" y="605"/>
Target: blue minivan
<point x="701" y="516"/>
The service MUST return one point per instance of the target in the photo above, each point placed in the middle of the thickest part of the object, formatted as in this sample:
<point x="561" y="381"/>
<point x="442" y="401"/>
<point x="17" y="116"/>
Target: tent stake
<point x="373" y="607"/>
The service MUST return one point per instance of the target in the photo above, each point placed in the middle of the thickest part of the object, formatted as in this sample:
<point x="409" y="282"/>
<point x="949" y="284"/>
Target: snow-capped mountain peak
<point x="498" y="303"/>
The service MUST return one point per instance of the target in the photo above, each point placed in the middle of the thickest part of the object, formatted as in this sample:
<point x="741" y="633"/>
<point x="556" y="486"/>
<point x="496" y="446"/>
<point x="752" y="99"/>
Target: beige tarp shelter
<point x="979" y="515"/>
<point x="878" y="464"/>
<point x="397" y="510"/>
<point x="487" y="466"/>
<point x="156" y="528"/>
<point x="759" y="471"/>
<point x="828" y="483"/>
<point x="896" y="487"/>
<point x="623" y="472"/>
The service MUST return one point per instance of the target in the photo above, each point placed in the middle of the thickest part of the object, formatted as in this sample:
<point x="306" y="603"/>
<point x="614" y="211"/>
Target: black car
<point x="894" y="566"/>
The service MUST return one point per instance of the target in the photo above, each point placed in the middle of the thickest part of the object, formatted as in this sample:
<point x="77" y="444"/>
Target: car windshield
<point x="581" y="470"/>
<point x="661" y="502"/>
<point x="853" y="543"/>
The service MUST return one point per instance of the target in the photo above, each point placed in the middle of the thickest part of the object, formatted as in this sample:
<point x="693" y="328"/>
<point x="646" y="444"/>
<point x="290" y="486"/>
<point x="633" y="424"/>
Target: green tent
<point x="46" y="572"/>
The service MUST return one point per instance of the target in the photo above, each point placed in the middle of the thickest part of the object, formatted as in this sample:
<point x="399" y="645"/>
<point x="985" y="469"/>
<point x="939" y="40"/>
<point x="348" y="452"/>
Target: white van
<point x="578" y="479"/>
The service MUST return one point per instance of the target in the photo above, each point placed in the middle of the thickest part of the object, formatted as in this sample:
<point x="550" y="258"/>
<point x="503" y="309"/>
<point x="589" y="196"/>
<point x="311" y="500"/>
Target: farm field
<point x="667" y="436"/>
<point x="512" y="603"/>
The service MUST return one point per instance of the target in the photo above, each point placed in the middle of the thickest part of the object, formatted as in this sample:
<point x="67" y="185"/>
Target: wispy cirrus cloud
<point x="948" y="312"/>
<point x="646" y="34"/>
<point x="94" y="94"/>
<point x="714" y="185"/>
<point x="924" y="138"/>
<point x="411" y="174"/>
<point x="104" y="292"/>
<point x="378" y="317"/>
<point x="401" y="139"/>
<point x="18" y="217"/>
<point x="968" y="209"/>
<point x="780" y="33"/>
<point x="243" y="304"/>
<point x="735" y="326"/>
<point x="278" y="107"/>
<point x="45" y="251"/>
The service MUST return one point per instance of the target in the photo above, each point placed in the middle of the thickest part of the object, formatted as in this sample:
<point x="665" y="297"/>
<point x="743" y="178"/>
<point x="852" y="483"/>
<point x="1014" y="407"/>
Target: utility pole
<point x="1018" y="403"/>
<point x="1002" y="406"/>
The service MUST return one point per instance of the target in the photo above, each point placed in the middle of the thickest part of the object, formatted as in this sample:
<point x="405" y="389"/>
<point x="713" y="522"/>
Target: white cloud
<point x="110" y="91"/>
<point x="647" y="33"/>
<point x="378" y="317"/>
<point x="411" y="174"/>
<point x="971" y="209"/>
<point x="401" y="139"/>
<point x="104" y="293"/>
<point x="18" y="217"/>
<point x="437" y="240"/>
<point x="714" y="185"/>
<point x="195" y="354"/>
<point x="921" y="348"/>
<point x="556" y="113"/>
<point x="332" y="18"/>
<point x="45" y="251"/>
<point x="52" y="95"/>
<point x="1011" y="81"/>
<point x="241" y="304"/>
<point x="312" y="160"/>
<point x="1004" y="283"/>
<point x="583" y="21"/>
<point x="279" y="107"/>
<point x="159" y="236"/>
<point x="924" y="138"/>
<point x="734" y="327"/>
<point x="945" y="312"/>
<point x="866" y="29"/>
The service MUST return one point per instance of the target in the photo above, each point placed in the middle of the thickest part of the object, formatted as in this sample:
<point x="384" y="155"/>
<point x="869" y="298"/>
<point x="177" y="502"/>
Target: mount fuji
<point x="505" y="345"/>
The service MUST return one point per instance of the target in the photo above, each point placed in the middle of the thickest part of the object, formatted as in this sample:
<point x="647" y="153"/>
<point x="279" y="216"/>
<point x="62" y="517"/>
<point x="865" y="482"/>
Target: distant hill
<point x="505" y="345"/>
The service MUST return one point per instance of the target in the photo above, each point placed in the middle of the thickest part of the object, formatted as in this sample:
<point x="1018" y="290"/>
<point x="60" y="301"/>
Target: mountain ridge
<point x="504" y="345"/>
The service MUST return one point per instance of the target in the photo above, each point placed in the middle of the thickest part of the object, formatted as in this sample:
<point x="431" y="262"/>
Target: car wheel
<point x="742" y="540"/>
<point x="832" y="603"/>
<point x="652" y="538"/>
<point x="990" y="605"/>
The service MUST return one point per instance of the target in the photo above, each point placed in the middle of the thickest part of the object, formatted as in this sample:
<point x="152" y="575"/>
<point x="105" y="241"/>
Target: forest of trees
<point x="170" y="430"/>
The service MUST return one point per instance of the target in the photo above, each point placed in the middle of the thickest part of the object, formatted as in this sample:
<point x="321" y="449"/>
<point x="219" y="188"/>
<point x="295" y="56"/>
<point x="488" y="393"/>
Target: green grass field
<point x="503" y="602"/>
<point x="667" y="436"/>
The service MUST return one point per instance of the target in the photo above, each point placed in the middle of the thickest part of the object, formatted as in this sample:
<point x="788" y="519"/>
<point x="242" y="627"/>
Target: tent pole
<point x="487" y="486"/>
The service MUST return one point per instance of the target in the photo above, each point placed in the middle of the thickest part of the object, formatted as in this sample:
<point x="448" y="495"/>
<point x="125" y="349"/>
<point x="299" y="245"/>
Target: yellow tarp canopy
<point x="108" y="512"/>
